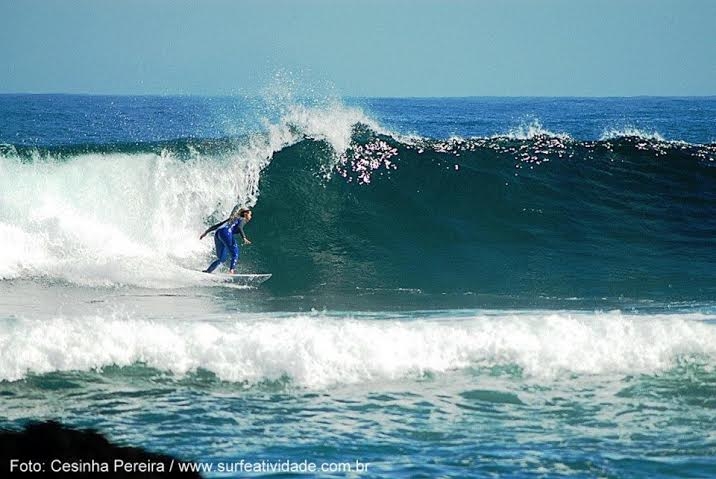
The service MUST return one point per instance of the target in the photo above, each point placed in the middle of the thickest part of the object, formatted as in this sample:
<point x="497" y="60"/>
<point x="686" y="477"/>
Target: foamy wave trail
<point x="130" y="214"/>
<point x="315" y="352"/>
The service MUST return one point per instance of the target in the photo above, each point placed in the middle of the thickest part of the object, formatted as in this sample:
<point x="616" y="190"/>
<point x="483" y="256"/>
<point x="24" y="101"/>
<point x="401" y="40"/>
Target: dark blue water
<point x="673" y="118"/>
<point x="467" y="287"/>
<point x="51" y="120"/>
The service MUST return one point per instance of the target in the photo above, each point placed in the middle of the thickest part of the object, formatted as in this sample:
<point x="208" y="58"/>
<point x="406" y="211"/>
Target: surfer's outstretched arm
<point x="240" y="229"/>
<point x="217" y="225"/>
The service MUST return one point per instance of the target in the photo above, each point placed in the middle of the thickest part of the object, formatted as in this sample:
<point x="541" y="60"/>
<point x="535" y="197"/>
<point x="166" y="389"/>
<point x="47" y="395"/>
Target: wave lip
<point x="630" y="132"/>
<point x="531" y="130"/>
<point x="317" y="352"/>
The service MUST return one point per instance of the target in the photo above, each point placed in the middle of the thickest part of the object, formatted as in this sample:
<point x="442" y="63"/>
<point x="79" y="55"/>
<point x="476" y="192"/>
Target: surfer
<point x="224" y="237"/>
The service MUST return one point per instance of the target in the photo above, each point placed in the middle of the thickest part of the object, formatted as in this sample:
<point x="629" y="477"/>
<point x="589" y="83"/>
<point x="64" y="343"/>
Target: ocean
<point x="463" y="287"/>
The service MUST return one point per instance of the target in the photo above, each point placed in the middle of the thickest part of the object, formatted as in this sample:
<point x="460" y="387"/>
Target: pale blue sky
<point x="361" y="48"/>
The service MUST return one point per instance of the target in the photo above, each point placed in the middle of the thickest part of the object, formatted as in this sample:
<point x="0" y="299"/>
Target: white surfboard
<point x="244" y="279"/>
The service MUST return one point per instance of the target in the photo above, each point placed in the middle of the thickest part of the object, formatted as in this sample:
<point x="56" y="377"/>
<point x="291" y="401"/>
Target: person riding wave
<point x="224" y="237"/>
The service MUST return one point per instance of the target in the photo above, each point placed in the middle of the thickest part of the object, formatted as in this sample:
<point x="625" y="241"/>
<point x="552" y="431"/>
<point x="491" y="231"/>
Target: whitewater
<point x="320" y="350"/>
<point x="96" y="210"/>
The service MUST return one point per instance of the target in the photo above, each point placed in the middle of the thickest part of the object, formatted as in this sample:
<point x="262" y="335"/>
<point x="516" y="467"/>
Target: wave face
<point x="534" y="215"/>
<point x="343" y="203"/>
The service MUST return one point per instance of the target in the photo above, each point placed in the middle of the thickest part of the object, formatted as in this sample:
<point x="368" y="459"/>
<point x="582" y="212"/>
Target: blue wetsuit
<point x="225" y="242"/>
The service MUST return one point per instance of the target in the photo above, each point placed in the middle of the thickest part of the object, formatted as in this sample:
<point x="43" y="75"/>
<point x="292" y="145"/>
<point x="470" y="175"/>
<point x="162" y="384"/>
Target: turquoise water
<point x="462" y="287"/>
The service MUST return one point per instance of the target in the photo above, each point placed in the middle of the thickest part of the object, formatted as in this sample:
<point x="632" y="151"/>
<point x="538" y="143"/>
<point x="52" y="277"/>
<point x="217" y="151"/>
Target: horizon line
<point x="378" y="97"/>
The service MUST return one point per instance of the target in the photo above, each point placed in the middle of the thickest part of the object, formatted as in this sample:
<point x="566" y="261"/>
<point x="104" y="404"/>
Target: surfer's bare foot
<point x="231" y="271"/>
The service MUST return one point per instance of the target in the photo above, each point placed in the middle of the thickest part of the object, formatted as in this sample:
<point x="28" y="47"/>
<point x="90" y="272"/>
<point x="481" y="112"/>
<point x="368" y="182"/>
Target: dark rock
<point x="49" y="449"/>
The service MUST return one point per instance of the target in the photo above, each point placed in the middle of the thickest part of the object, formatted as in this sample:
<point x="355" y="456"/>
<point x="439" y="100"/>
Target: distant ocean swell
<point x="348" y="204"/>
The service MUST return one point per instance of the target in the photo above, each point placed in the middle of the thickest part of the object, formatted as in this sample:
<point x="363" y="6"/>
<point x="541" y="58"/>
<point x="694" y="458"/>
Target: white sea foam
<point x="630" y="131"/>
<point x="321" y="351"/>
<point x="134" y="218"/>
<point x="528" y="130"/>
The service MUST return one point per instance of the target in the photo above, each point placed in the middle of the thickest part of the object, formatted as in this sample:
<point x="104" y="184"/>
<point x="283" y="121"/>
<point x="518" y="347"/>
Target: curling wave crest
<point x="99" y="218"/>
